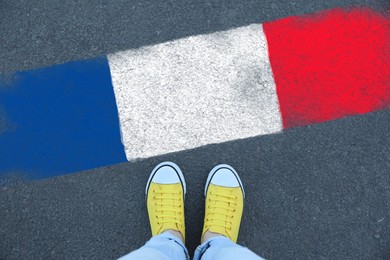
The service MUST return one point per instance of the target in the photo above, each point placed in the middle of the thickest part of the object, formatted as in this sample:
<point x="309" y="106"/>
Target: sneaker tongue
<point x="166" y="226"/>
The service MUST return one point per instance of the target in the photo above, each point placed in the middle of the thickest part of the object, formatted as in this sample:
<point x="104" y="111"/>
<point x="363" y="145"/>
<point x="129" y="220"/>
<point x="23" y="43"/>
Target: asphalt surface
<point x="38" y="33"/>
<point x="316" y="192"/>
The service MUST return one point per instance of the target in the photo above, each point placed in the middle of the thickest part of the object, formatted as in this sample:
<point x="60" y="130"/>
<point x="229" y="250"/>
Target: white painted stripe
<point x="195" y="91"/>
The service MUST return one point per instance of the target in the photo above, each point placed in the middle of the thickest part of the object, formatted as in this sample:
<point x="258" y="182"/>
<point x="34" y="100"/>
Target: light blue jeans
<point x="166" y="247"/>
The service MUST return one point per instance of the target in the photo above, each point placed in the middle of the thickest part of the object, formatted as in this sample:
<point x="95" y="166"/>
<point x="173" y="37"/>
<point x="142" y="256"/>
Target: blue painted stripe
<point x="60" y="119"/>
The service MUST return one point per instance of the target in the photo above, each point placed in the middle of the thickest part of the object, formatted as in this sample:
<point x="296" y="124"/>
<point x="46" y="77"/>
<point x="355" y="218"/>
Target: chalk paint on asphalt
<point x="195" y="91"/>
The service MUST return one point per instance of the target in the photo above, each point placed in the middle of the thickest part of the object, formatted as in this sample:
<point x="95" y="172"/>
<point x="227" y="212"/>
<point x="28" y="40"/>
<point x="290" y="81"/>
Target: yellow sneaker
<point x="224" y="202"/>
<point x="165" y="192"/>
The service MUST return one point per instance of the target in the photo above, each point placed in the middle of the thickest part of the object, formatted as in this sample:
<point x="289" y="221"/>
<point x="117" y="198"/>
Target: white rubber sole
<point x="215" y="169"/>
<point x="175" y="167"/>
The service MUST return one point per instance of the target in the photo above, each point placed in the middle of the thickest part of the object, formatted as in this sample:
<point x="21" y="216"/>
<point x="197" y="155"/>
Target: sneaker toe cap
<point x="166" y="175"/>
<point x="225" y="177"/>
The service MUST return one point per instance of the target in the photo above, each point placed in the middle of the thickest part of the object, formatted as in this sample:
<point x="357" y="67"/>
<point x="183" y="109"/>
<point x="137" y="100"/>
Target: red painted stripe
<point x="330" y="64"/>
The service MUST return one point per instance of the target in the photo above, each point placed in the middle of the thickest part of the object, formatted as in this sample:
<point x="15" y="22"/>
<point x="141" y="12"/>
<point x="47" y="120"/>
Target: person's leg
<point x="165" y="192"/>
<point x="161" y="247"/>
<point x="223" y="211"/>
<point x="221" y="247"/>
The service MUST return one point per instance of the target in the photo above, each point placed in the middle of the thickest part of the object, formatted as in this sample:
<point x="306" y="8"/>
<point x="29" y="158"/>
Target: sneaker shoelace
<point x="168" y="207"/>
<point x="221" y="209"/>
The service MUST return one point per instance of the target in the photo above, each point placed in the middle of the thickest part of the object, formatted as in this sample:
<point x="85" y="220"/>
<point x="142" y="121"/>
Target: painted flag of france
<point x="244" y="82"/>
